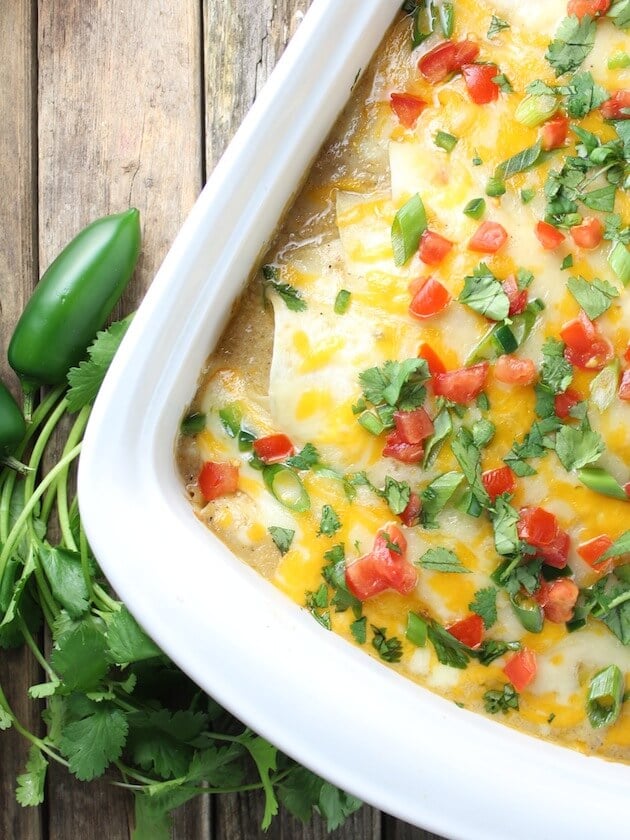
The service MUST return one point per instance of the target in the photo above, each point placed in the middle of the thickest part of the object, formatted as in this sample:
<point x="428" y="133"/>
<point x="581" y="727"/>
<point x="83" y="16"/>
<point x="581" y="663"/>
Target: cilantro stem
<point x="75" y="435"/>
<point x="30" y="641"/>
<point x="85" y="568"/>
<point x="16" y="531"/>
<point x="25" y="733"/>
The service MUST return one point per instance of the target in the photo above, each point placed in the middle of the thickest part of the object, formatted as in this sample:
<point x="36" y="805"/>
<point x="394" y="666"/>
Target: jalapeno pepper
<point x="73" y="300"/>
<point x="12" y="424"/>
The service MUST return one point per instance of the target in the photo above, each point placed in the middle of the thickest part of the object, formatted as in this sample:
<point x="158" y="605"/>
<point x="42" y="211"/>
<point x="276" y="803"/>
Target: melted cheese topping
<point x="339" y="238"/>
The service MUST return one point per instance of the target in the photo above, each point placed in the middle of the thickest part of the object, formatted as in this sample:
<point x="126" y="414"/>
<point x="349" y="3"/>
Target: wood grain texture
<point x="18" y="270"/>
<point x="119" y="126"/>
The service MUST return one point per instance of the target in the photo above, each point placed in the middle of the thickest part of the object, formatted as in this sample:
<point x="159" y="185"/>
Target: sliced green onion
<point x="231" y="418"/>
<point x="504" y="338"/>
<point x="535" y="110"/>
<point x="416" y="629"/>
<point x="619" y="61"/>
<point x="605" y="696"/>
<point x="475" y="208"/>
<point x="423" y="24"/>
<point x="495" y="187"/>
<point x="476" y="161"/>
<point x="447" y="18"/>
<point x="342" y="302"/>
<point x="604" y="387"/>
<point x="601" y="481"/>
<point x="445" y="141"/>
<point x="619" y="261"/>
<point x="527" y="195"/>
<point x="285" y="486"/>
<point x="528" y="612"/>
<point x="371" y="423"/>
<point x="409" y="224"/>
<point x="193" y="423"/>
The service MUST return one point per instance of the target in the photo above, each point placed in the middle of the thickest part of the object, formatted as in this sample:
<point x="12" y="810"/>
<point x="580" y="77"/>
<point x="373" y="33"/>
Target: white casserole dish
<point x="328" y="705"/>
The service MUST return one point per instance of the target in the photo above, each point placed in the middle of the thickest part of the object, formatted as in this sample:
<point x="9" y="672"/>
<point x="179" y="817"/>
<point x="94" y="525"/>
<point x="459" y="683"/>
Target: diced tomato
<point x="436" y="365"/>
<point x="591" y="550"/>
<point x="626" y="355"/>
<point x="411" y="514"/>
<point x="463" y="385"/>
<point x="408" y="453"/>
<point x="540" y="529"/>
<point x="413" y="426"/>
<point x="558" y="599"/>
<point x="624" y="386"/>
<point x="548" y="236"/>
<point x="407" y="108"/>
<point x="514" y="370"/>
<point x="563" y="403"/>
<point x="518" y="297"/>
<point x="521" y="668"/>
<point x="430" y="299"/>
<point x="617" y="107"/>
<point x="217" y="479"/>
<point x="589" y="234"/>
<point x="433" y="247"/>
<point x="554" y="132"/>
<point x="537" y="526"/>
<point x="469" y="631"/>
<point x="479" y="81"/>
<point x="586" y="347"/>
<point x="489" y="238"/>
<point x="626" y="489"/>
<point x="385" y="567"/>
<point x="273" y="448"/>
<point x="592" y="8"/>
<point x="499" y="481"/>
<point x="447" y="58"/>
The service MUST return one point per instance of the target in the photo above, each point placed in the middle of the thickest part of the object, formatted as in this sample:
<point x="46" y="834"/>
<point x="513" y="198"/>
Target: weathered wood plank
<point x="119" y="126"/>
<point x="18" y="270"/>
<point x="397" y="830"/>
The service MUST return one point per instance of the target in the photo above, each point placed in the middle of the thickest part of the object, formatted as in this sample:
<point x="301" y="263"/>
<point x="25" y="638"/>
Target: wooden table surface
<point x="106" y="104"/>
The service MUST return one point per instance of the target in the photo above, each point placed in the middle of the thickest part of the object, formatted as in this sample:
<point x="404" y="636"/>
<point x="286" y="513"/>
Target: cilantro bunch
<point x="114" y="704"/>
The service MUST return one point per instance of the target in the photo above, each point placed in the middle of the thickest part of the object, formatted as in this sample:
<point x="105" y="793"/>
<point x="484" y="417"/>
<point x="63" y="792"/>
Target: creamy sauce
<point x="296" y="373"/>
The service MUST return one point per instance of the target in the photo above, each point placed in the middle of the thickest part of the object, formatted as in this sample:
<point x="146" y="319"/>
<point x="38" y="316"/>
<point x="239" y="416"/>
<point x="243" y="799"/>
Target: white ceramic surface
<point x="328" y="705"/>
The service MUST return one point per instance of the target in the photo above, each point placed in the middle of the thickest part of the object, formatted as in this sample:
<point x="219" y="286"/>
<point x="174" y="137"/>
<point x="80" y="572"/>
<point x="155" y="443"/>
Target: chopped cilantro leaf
<point x="358" y="628"/>
<point x="449" y="650"/>
<point x="573" y="42"/>
<point x="485" y="294"/>
<point x="595" y="297"/>
<point x="620" y="547"/>
<point x="291" y="296"/>
<point x="396" y="494"/>
<point x="330" y="522"/>
<point x="390" y="650"/>
<point x="520" y="162"/>
<point x="534" y="445"/>
<point x="492" y="649"/>
<point x="468" y="456"/>
<point x="504" y="519"/>
<point x="317" y="604"/>
<point x="497" y="25"/>
<point x="619" y="13"/>
<point x="503" y="700"/>
<point x="485" y="605"/>
<point x="555" y="372"/>
<point x="304" y="460"/>
<point x="442" y="560"/>
<point x="583" y="95"/>
<point x="576" y="448"/>
<point x="396" y="384"/>
<point x="436" y="496"/>
<point x="282" y="537"/>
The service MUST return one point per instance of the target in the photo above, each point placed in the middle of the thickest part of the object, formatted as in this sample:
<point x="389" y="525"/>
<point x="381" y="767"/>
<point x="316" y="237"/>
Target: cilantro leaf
<point x="504" y="519"/>
<point x="127" y="641"/>
<point x="502" y="700"/>
<point x="619" y="13"/>
<point x="91" y="743"/>
<point x="265" y="758"/>
<point x="66" y="578"/>
<point x="330" y="522"/>
<point x="316" y="603"/>
<point x="595" y="297"/>
<point x="291" y="296"/>
<point x="497" y="25"/>
<point x="620" y="547"/>
<point x="485" y="605"/>
<point x="81" y="657"/>
<point x="358" y="628"/>
<point x="86" y="379"/>
<point x="583" y="95"/>
<point x="574" y="40"/>
<point x="576" y="448"/>
<point x="396" y="494"/>
<point x="492" y="649"/>
<point x="534" y="445"/>
<point x="31" y="783"/>
<point x="483" y="293"/>
<point x="520" y="162"/>
<point x="307" y="458"/>
<point x="468" y="456"/>
<point x="436" y="496"/>
<point x="449" y="650"/>
<point x="390" y="650"/>
<point x="556" y="373"/>
<point x="282" y="537"/>
<point x="396" y="384"/>
<point x="441" y="560"/>
<point x="336" y="805"/>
